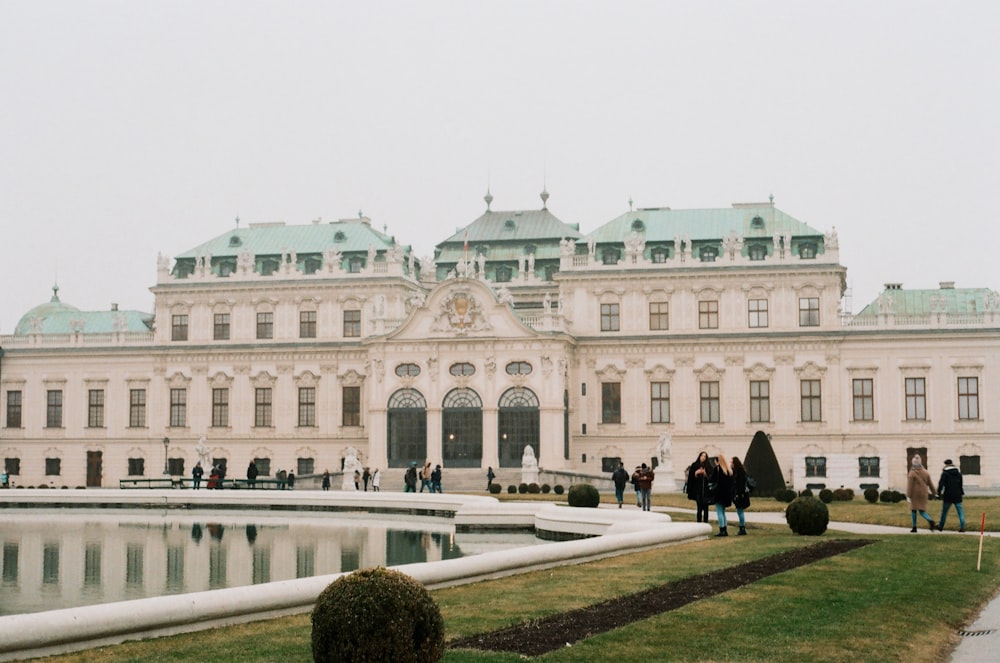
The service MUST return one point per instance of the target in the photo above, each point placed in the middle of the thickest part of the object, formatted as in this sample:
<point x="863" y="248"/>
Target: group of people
<point x="430" y="478"/>
<point x="920" y="489"/>
<point x="718" y="482"/>
<point x="215" y="476"/>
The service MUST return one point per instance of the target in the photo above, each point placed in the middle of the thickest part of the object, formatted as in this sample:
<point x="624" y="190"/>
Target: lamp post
<point x="166" y="462"/>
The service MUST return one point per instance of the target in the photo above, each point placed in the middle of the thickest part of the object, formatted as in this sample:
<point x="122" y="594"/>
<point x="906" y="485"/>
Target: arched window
<point x="757" y="252"/>
<point x="408" y="370"/>
<point x="517" y="425"/>
<point x="659" y="254"/>
<point x="462" y="429"/>
<point x="610" y="256"/>
<point x="406" y="428"/>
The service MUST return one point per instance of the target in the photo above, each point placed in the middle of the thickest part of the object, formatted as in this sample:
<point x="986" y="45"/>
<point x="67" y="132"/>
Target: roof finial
<point x="55" y="292"/>
<point x="771" y="198"/>
<point x="361" y="214"/>
<point x="488" y="198"/>
<point x="630" y="203"/>
<point x="237" y="221"/>
<point x="545" y="194"/>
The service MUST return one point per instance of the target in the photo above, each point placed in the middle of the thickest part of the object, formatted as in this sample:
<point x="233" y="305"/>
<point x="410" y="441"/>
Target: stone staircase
<point x="465" y="480"/>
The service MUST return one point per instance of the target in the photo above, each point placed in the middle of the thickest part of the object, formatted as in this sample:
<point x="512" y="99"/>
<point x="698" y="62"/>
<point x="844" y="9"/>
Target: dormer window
<point x="504" y="274"/>
<point x="226" y="267"/>
<point x="757" y="223"/>
<point x="482" y="250"/>
<point x="708" y="253"/>
<point x="807" y="251"/>
<point x="638" y="226"/>
<point x="757" y="252"/>
<point x="610" y="256"/>
<point x="234" y="240"/>
<point x="355" y="264"/>
<point x="269" y="266"/>
<point x="529" y="249"/>
<point x="312" y="265"/>
<point x="509" y="224"/>
<point x="659" y="254"/>
<point x="339" y="236"/>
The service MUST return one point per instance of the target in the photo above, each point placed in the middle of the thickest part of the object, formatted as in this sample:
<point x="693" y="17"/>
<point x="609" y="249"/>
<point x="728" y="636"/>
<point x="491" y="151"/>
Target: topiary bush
<point x="512" y="489"/>
<point x="786" y="495"/>
<point x="376" y="615"/>
<point x="546" y="488"/>
<point x="871" y="495"/>
<point x="825" y="496"/>
<point x="807" y="516"/>
<point x="891" y="496"/>
<point x="495" y="489"/>
<point x="806" y="493"/>
<point x="843" y="494"/>
<point x="583" y="495"/>
<point x="522" y="488"/>
<point x="558" y="489"/>
<point x="534" y="488"/>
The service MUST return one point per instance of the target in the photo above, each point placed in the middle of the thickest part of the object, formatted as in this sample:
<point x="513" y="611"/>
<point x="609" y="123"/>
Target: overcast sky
<point x="136" y="127"/>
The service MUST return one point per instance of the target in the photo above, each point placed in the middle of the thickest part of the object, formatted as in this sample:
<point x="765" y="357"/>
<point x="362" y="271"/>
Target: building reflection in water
<point x="64" y="561"/>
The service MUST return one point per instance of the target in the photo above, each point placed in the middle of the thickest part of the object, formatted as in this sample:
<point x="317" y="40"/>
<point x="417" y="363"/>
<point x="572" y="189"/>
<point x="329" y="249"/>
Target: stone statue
<point x="529" y="465"/>
<point x="201" y="449"/>
<point x="547" y="304"/>
<point x="665" y="467"/>
<point x="351" y="463"/>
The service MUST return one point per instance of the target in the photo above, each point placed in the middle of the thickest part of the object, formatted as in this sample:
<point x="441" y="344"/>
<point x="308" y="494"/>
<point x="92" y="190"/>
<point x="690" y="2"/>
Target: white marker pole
<point x="982" y="532"/>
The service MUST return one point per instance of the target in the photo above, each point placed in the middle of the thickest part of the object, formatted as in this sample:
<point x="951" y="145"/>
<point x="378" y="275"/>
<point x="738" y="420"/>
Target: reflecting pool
<point x="52" y="560"/>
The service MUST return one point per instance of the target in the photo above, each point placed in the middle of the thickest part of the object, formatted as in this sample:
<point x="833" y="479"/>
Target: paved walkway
<point x="980" y="641"/>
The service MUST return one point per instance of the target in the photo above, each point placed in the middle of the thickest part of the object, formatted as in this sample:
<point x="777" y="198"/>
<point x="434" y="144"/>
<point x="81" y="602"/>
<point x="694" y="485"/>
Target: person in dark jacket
<point x="635" y="485"/>
<point x="646" y="477"/>
<point x="436" y="479"/>
<point x="697" y="485"/>
<point x="620" y="478"/>
<point x="722" y="477"/>
<point x="741" y="493"/>
<point x="410" y="479"/>
<point x="252" y="474"/>
<point x="950" y="490"/>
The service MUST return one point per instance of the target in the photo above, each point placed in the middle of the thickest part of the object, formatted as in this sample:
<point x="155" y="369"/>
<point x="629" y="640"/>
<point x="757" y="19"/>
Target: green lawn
<point x="900" y="599"/>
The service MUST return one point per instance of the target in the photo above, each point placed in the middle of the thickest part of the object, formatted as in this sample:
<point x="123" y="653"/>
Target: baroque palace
<point x="299" y="346"/>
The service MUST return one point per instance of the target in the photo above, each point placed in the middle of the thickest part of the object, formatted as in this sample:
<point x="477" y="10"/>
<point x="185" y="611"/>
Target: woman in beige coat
<point x="919" y="488"/>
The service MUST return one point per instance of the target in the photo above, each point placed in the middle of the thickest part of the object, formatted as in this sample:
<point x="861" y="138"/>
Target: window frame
<point x="179" y="327"/>
<point x="709" y="402"/>
<point x="220" y="407"/>
<point x="809" y="312"/>
<point x="95" y="408"/>
<point x="760" y="401"/>
<point x="307" y="324"/>
<point x="915" y="390"/>
<point x="611" y="402"/>
<point x="137" y="408"/>
<point x="968" y="398"/>
<point x="810" y="400"/>
<point x="15" y="409"/>
<point x="815" y="466"/>
<point x="350" y="397"/>
<point x="221" y="327"/>
<point x="263" y="407"/>
<point x="53" y="408"/>
<point x="352" y="323"/>
<point x="610" y="317"/>
<point x="659" y="402"/>
<point x="863" y="402"/>
<point x="178" y="407"/>
<point x="659" y="316"/>
<point x="307" y="407"/>
<point x="265" y="325"/>
<point x="757" y="315"/>
<point x="708" y="314"/>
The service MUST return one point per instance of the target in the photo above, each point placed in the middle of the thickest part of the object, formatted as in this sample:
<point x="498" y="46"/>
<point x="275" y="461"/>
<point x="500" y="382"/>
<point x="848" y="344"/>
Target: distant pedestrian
<point x="635" y="486"/>
<point x="326" y="480"/>
<point x="490" y="476"/>
<point x="950" y="491"/>
<point x="919" y="488"/>
<point x="741" y="493"/>
<point x="376" y="480"/>
<point x="620" y="478"/>
<point x="722" y="496"/>
<point x="365" y="478"/>
<point x="697" y="485"/>
<point x="410" y="479"/>
<point x="291" y="480"/>
<point x="646" y="477"/>
<point x="436" y="480"/>
<point x="196" y="474"/>
<point x="425" y="477"/>
<point x="252" y="474"/>
<point x="357" y="480"/>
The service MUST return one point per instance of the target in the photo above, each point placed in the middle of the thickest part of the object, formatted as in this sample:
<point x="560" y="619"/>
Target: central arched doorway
<point x="406" y="428"/>
<point x="462" y="429"/>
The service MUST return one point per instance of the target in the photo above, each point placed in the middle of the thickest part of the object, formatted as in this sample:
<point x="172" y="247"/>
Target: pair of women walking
<point x="714" y="481"/>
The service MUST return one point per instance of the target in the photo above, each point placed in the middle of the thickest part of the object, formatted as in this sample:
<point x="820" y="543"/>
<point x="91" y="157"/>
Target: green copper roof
<point x="664" y="224"/>
<point x="351" y="235"/>
<point x="507" y="233"/>
<point x="950" y="300"/>
<point x="56" y="317"/>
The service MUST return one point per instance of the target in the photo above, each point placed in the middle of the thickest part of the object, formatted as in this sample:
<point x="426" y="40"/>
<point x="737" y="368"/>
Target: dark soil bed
<point x="548" y="634"/>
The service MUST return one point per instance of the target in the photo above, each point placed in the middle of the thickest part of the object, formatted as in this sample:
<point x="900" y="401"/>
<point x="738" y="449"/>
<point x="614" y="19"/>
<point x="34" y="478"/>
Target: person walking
<point x="357" y="480"/>
<point x="919" y="488"/>
<point x="635" y="485"/>
<point x="326" y="480"/>
<point x="697" y="485"/>
<point x="436" y="479"/>
<point x="620" y="478"/>
<point x="646" y="477"/>
<point x="490" y="476"/>
<point x="950" y="491"/>
<point x="722" y="495"/>
<point x="410" y="479"/>
<point x="196" y="474"/>
<point x="252" y="474"/>
<point x="741" y="493"/>
<point x="376" y="480"/>
<point x="366" y="476"/>
<point x="425" y="477"/>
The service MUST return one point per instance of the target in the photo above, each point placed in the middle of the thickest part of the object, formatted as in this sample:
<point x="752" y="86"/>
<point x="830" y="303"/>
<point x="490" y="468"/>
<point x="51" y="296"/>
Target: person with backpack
<point x="741" y="493"/>
<point x="950" y="490"/>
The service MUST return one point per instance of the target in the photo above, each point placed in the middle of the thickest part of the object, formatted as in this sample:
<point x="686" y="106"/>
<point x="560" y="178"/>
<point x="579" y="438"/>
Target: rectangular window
<point x="611" y="402"/>
<point x="659" y="320"/>
<point x="968" y="398"/>
<point x="265" y="324"/>
<point x="916" y="399"/>
<point x="220" y="327"/>
<point x="809" y="312"/>
<point x="220" y="407"/>
<point x="610" y="320"/>
<point x="352" y="406"/>
<point x="659" y="398"/>
<point x="305" y="466"/>
<point x="757" y="312"/>
<point x="178" y="328"/>
<point x="262" y="407"/>
<point x="307" y="406"/>
<point x="263" y="466"/>
<point x="136" y="467"/>
<point x="178" y="408"/>
<point x="811" y="401"/>
<point x="95" y="408"/>
<point x="137" y="408"/>
<point x="864" y="399"/>
<point x="760" y="401"/>
<point x="815" y="466"/>
<point x="53" y="466"/>
<point x="352" y="324"/>
<point x="968" y="465"/>
<point x="868" y="466"/>
<point x="53" y="408"/>
<point x="175" y="467"/>
<point x="12" y="466"/>
<point x="13" y="409"/>
<point x="710" y="403"/>
<point x="307" y="324"/>
<point x="708" y="314"/>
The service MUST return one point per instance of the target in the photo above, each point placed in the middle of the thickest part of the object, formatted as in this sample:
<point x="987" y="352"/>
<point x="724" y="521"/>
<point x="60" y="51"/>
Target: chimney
<point x="114" y="307"/>
<point x="947" y="285"/>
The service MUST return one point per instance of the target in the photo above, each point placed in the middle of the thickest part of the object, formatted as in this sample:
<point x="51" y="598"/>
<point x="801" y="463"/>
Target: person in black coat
<point x="950" y="490"/>
<point x="722" y="477"/>
<point x="697" y="485"/>
<point x="741" y="493"/>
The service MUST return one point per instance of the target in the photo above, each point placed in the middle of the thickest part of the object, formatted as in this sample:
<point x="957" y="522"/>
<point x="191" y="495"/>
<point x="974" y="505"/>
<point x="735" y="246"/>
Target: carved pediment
<point x="461" y="312"/>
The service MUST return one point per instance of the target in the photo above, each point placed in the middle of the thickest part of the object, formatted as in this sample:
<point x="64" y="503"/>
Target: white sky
<point x="135" y="127"/>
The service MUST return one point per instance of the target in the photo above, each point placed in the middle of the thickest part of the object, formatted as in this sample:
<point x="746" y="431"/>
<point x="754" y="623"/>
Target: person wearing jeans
<point x="949" y="489"/>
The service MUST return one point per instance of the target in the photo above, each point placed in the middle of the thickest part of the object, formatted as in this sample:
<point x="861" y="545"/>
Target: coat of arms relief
<point x="460" y="312"/>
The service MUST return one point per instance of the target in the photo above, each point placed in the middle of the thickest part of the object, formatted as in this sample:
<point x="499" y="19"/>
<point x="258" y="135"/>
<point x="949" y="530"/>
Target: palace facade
<point x="296" y="346"/>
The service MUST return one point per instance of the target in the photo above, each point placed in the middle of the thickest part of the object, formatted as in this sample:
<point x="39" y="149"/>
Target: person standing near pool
<point x="196" y="474"/>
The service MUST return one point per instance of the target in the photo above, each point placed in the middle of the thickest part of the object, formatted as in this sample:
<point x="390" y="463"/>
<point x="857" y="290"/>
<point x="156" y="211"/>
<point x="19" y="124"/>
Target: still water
<point x="52" y="560"/>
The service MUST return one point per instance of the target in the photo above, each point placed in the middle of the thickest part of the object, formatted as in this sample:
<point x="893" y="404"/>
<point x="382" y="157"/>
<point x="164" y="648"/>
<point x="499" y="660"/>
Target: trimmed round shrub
<point x="843" y="494"/>
<point x="886" y="496"/>
<point x="534" y="488"/>
<point x="786" y="495"/>
<point x="891" y="496"/>
<point x="558" y="489"/>
<point x="806" y="493"/>
<point x="807" y="516"/>
<point x="376" y="615"/>
<point x="871" y="495"/>
<point x="825" y="496"/>
<point x="512" y="489"/>
<point x="522" y="488"/>
<point x="546" y="488"/>
<point x="583" y="495"/>
<point x="495" y="489"/>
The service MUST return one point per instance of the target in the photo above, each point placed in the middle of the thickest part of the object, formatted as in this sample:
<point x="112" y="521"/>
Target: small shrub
<point x="826" y="495"/>
<point x="522" y="488"/>
<point x="512" y="489"/>
<point x="891" y="496"/>
<point x="843" y="494"/>
<point x="558" y="489"/>
<point x="375" y="615"/>
<point x="495" y="489"/>
<point x="583" y="495"/>
<point x="546" y="488"/>
<point x="807" y="516"/>
<point x="806" y="493"/>
<point x="534" y="488"/>
<point x="871" y="495"/>
<point x="885" y="496"/>
<point x="786" y="495"/>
